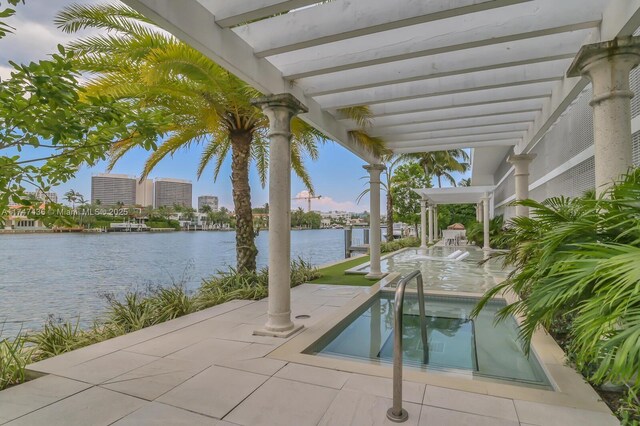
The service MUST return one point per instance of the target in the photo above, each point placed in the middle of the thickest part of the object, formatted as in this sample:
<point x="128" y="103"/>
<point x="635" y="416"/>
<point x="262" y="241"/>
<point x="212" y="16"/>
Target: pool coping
<point x="570" y="388"/>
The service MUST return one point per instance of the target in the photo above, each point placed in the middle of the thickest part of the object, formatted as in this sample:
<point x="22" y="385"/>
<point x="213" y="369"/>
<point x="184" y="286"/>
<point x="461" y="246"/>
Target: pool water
<point x="440" y="273"/>
<point x="474" y="347"/>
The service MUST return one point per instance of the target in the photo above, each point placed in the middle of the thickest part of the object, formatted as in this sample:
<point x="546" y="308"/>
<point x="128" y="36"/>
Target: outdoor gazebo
<point x="432" y="197"/>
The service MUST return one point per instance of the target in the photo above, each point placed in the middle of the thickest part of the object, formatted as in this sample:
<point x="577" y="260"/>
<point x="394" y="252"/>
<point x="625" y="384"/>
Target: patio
<point x="209" y="368"/>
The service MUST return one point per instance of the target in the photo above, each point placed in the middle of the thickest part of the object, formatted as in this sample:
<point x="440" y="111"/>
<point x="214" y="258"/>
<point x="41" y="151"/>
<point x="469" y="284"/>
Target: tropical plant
<point x="14" y="356"/>
<point x="577" y="258"/>
<point x="475" y="233"/>
<point x="43" y="110"/>
<point x="442" y="163"/>
<point x="7" y="13"/>
<point x="406" y="202"/>
<point x="203" y="103"/>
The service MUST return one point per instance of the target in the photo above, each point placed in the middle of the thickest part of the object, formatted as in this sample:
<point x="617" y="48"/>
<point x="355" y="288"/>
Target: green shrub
<point x="14" y="356"/>
<point x="579" y="259"/>
<point x="395" y="245"/>
<point x="475" y="233"/>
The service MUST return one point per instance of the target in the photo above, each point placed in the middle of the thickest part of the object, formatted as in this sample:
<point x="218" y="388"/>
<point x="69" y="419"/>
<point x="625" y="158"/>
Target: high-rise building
<point x="47" y="197"/>
<point x="144" y="193"/>
<point x="208" y="200"/>
<point x="169" y="192"/>
<point x="111" y="189"/>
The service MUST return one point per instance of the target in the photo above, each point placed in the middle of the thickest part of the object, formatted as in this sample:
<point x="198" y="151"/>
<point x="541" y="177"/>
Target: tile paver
<point x="553" y="415"/>
<point x="380" y="386"/>
<point x="361" y="409"/>
<point x="154" y="379"/>
<point x="155" y="413"/>
<point x="95" y="406"/>
<point x="314" y="375"/>
<point x="107" y="367"/>
<point x="284" y="402"/>
<point x="214" y="392"/>
<point x="442" y="417"/>
<point x="35" y="394"/>
<point x="468" y="402"/>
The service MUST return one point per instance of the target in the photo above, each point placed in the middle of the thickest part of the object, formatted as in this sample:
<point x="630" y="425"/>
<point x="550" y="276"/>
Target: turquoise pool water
<point x="473" y="347"/>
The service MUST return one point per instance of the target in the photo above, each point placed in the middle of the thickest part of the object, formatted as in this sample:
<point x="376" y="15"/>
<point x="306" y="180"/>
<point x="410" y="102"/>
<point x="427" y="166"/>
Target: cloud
<point x="326" y="204"/>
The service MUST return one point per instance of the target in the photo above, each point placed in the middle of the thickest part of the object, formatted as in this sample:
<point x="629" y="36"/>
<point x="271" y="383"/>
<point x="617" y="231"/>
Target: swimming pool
<point x="457" y="344"/>
<point x="441" y="273"/>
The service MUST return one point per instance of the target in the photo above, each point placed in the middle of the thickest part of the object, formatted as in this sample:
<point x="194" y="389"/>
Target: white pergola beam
<point x="192" y="23"/>
<point x="534" y="19"/>
<point x="480" y="97"/>
<point x="418" y="132"/>
<point x="442" y="147"/>
<point x="342" y="19"/>
<point x="230" y="13"/>
<point x="453" y="123"/>
<point x="503" y="55"/>
<point x="506" y="107"/>
<point x="620" y="18"/>
<point x="491" y="79"/>
<point x="454" y="142"/>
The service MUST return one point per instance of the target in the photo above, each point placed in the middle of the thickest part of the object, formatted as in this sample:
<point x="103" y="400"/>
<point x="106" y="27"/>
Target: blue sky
<point x="336" y="175"/>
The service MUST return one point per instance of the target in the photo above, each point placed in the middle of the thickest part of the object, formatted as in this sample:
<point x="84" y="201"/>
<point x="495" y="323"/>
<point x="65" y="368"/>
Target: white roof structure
<point x="437" y="74"/>
<point x="459" y="195"/>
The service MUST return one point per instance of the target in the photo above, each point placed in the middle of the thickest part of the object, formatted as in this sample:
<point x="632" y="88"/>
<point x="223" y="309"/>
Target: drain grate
<point x="304" y="316"/>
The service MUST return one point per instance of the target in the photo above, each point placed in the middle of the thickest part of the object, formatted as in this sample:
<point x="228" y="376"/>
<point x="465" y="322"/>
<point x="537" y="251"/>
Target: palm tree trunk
<point x="439" y="181"/>
<point x="246" y="250"/>
<point x="389" y="214"/>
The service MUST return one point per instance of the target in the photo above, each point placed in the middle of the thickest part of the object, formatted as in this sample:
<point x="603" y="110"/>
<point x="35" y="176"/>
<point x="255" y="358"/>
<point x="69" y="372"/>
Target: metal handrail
<point x="396" y="413"/>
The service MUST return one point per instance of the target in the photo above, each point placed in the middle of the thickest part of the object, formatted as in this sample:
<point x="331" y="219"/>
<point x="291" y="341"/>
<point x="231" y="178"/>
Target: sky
<point x="337" y="175"/>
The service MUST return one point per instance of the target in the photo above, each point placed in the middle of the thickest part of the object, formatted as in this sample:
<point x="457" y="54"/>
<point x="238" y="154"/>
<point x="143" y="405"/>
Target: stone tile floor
<point x="208" y="369"/>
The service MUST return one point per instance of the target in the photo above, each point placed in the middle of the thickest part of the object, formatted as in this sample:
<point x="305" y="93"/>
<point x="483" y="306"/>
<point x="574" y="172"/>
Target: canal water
<point x="64" y="275"/>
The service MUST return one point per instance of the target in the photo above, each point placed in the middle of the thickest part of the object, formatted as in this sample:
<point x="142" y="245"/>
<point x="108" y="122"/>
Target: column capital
<point x="485" y="197"/>
<point x="521" y="158"/>
<point x="607" y="64"/>
<point x="374" y="172"/>
<point x="281" y="100"/>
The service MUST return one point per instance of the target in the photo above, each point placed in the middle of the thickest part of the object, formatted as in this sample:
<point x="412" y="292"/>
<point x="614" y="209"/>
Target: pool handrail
<point x="396" y="413"/>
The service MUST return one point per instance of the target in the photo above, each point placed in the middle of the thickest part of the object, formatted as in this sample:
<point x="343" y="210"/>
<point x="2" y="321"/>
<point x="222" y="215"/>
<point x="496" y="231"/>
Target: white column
<point x="608" y="65"/>
<point x="521" y="164"/>
<point x="423" y="223"/>
<point x="430" y="223"/>
<point x="280" y="109"/>
<point x="486" y="220"/>
<point x="374" y="219"/>
<point x="435" y="222"/>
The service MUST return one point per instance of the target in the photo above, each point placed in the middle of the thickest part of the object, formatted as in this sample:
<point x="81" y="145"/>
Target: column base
<point x="375" y="275"/>
<point x="278" y="333"/>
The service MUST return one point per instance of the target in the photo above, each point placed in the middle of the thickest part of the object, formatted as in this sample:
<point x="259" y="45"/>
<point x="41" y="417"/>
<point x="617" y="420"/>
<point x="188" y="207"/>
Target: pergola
<point x="432" y="197"/>
<point x="490" y="75"/>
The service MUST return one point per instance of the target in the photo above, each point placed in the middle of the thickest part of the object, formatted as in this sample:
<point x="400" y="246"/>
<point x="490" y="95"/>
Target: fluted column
<point x="608" y="65"/>
<point x="280" y="109"/>
<point x="375" y="234"/>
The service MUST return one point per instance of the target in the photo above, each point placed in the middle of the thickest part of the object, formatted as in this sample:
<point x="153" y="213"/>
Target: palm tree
<point x="442" y="163"/>
<point x="199" y="102"/>
<point x="72" y="197"/>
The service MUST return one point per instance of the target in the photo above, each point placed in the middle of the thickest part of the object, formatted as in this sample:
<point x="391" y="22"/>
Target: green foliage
<point x="442" y="163"/>
<point x="475" y="233"/>
<point x="58" y="337"/>
<point x="406" y="203"/>
<point x="578" y="258"/>
<point x="42" y="106"/>
<point x="448" y="214"/>
<point x="401" y="243"/>
<point x="7" y="12"/>
<point x="14" y="356"/>
<point x="302" y="219"/>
